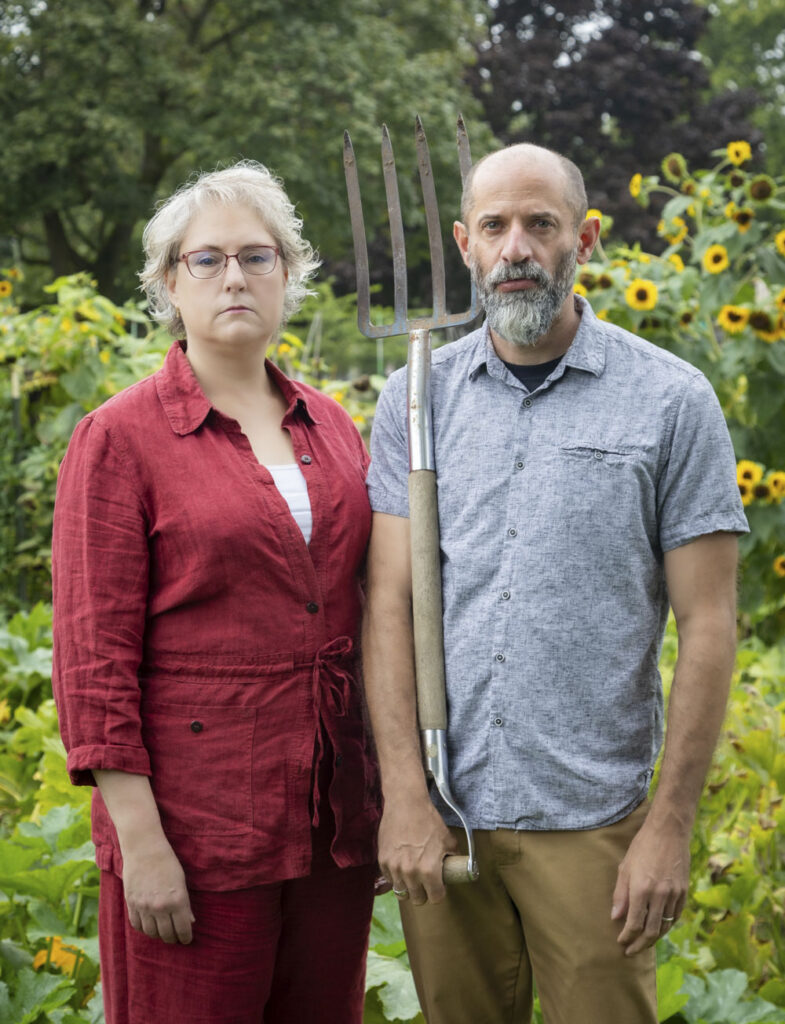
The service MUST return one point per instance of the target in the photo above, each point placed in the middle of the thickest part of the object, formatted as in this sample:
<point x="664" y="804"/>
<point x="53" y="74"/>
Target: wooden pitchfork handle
<point x="427" y="595"/>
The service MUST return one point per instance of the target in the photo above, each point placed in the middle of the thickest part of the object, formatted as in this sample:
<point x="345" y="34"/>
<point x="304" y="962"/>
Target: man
<point x="586" y="479"/>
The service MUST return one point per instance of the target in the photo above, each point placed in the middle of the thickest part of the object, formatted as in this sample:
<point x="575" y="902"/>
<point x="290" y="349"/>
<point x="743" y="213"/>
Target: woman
<point x="210" y="525"/>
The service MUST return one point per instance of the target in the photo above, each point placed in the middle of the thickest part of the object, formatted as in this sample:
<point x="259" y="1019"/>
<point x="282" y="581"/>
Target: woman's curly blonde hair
<point x="246" y="183"/>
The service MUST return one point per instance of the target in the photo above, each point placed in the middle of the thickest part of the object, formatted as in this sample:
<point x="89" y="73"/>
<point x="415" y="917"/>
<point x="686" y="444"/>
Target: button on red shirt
<point x="200" y="641"/>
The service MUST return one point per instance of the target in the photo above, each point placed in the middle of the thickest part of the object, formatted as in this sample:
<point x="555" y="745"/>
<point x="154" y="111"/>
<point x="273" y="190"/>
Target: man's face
<point x="523" y="315"/>
<point x="521" y="244"/>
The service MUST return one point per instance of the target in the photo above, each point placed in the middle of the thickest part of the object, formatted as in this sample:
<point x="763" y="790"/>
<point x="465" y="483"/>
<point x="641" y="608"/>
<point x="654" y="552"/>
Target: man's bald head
<point x="523" y="154"/>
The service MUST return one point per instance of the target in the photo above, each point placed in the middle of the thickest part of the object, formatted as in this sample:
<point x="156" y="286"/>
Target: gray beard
<point x="523" y="317"/>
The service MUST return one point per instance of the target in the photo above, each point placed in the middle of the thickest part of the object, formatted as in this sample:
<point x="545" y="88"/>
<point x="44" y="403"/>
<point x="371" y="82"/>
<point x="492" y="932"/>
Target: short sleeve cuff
<point x="716" y="522"/>
<point x="83" y="761"/>
<point x="383" y="500"/>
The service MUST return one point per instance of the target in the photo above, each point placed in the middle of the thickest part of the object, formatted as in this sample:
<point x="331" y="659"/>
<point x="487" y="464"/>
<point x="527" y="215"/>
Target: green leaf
<point x="670" y="977"/>
<point x="15" y="955"/>
<point x="5" y="1002"/>
<point x="37" y="992"/>
<point x="395" y="983"/>
<point x="386" y="931"/>
<point x="62" y="425"/>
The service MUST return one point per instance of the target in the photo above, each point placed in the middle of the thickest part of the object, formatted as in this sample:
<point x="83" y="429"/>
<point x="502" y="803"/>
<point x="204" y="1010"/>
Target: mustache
<point x="526" y="270"/>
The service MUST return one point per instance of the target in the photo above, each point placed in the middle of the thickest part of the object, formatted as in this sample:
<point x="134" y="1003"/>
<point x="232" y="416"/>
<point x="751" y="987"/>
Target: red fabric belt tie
<point x="331" y="688"/>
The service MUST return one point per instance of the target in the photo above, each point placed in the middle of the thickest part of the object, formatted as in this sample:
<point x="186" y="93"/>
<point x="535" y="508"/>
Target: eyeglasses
<point x="254" y="259"/>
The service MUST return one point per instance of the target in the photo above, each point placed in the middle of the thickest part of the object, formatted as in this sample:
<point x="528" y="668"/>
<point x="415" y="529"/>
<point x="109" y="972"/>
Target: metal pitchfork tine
<point x="423" y="510"/>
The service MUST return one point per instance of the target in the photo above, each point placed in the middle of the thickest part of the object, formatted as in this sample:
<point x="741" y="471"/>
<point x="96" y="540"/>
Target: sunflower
<point x="736" y="178"/>
<point x="764" y="325"/>
<point x="678" y="230"/>
<point x="674" y="167"/>
<point x="602" y="314"/>
<point x="5" y="289"/>
<point x="594" y="213"/>
<point x="761" y="188"/>
<point x="606" y="281"/>
<point x="749" y="472"/>
<point x="587" y="279"/>
<point x="580" y="289"/>
<point x="641" y="294"/>
<point x="762" y="491"/>
<point x="779" y="565"/>
<point x="776" y="481"/>
<point x="686" y="318"/>
<point x="730" y="210"/>
<point x="746" y="492"/>
<point x="715" y="259"/>
<point x="677" y="261"/>
<point x="733" y="319"/>
<point x="739" y="152"/>
<point x="688" y="187"/>
<point x="779" y="241"/>
<point x="761" y="321"/>
<point x="744" y="218"/>
<point x="636" y="181"/>
<point x="780" y="300"/>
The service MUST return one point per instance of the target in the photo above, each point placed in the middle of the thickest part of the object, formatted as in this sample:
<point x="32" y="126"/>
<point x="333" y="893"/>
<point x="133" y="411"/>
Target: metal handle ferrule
<point x="434" y="746"/>
<point x="418" y="379"/>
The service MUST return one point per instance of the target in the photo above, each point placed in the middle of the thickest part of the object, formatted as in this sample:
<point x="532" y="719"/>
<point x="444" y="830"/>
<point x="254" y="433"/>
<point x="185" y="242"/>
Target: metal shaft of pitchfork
<point x="423" y="509"/>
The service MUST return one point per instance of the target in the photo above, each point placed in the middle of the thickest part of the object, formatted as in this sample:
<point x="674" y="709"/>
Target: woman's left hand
<point x="155" y="891"/>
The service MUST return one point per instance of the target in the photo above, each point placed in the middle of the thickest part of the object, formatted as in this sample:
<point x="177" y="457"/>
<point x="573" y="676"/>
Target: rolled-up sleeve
<point x="698" y="493"/>
<point x="100" y="579"/>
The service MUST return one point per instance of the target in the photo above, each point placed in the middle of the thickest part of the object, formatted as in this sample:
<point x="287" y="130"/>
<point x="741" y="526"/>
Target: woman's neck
<point x="230" y="375"/>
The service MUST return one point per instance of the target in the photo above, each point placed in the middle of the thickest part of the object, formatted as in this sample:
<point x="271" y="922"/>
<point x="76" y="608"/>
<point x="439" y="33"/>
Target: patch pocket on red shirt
<point x="201" y="767"/>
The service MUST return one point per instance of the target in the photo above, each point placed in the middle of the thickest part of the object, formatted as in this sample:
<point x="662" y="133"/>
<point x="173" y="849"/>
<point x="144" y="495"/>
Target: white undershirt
<point x="291" y="483"/>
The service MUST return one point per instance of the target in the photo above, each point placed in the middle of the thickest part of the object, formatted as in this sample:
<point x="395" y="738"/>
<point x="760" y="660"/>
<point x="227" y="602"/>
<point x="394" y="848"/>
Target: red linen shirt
<point x="200" y="641"/>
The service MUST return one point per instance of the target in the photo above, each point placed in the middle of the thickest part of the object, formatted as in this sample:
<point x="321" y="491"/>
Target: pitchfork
<point x="423" y="510"/>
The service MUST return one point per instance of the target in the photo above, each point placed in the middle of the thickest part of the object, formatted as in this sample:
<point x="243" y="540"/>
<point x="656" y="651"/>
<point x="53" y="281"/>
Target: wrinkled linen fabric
<point x="198" y="639"/>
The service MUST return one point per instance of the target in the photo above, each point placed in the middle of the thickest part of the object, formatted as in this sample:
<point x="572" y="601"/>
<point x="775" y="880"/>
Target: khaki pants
<point x="541" y="909"/>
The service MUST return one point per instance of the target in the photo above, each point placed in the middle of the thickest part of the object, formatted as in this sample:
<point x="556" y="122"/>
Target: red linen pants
<point x="288" y="953"/>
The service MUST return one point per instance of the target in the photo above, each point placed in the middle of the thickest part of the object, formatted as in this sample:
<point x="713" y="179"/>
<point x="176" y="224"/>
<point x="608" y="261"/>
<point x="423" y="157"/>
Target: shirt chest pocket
<point x="599" y="476"/>
<point x="201" y="767"/>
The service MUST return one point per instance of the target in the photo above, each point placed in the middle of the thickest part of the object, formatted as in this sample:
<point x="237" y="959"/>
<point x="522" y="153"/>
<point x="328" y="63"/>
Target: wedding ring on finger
<point x="668" y="920"/>
<point x="402" y="894"/>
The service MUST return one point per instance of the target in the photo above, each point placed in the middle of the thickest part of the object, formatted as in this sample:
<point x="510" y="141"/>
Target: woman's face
<point x="234" y="308"/>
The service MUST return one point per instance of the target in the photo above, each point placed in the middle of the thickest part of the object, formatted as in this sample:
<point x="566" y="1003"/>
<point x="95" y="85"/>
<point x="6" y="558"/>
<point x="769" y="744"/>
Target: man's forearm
<point x="388" y="672"/>
<point x="695" y="714"/>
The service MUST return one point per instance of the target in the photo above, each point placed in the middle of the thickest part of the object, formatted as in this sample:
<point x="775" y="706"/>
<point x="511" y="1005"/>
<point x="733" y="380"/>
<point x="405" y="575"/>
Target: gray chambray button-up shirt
<point x="555" y="509"/>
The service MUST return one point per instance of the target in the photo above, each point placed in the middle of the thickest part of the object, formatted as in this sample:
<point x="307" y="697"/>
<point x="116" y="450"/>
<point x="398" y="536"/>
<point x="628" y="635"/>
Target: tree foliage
<point x="108" y="104"/>
<point x="613" y="84"/>
<point x="745" y="46"/>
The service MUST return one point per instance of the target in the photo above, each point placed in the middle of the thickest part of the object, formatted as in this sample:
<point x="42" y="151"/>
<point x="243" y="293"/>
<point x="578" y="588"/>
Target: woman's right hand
<point x="155" y="891"/>
<point x="153" y="878"/>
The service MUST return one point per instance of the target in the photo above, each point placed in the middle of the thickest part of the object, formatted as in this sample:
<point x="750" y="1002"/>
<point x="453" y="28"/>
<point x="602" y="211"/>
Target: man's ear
<point x="461" y="236"/>
<point x="588" y="233"/>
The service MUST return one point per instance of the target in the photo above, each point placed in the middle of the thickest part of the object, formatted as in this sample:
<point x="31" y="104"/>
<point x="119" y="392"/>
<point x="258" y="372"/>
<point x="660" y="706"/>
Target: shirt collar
<point x="187" y="406"/>
<point x="587" y="351"/>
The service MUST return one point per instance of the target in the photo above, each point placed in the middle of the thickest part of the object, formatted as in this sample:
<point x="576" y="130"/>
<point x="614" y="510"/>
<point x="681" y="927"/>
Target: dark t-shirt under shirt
<point x="531" y="376"/>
